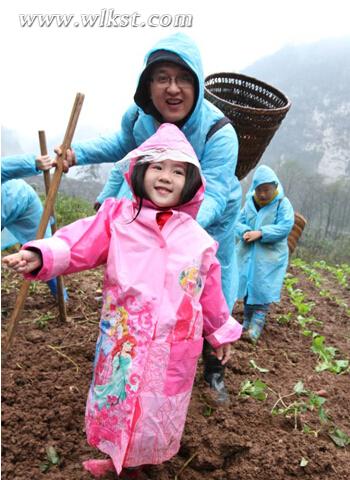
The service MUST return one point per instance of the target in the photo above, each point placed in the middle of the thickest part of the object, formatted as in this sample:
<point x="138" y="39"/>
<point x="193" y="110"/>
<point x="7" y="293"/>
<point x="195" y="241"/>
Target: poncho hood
<point x="265" y="174"/>
<point x="168" y="143"/>
<point x="183" y="51"/>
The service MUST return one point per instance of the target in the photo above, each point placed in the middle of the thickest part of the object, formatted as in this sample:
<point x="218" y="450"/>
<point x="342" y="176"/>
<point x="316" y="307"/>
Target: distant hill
<point x="71" y="187"/>
<point x="316" y="130"/>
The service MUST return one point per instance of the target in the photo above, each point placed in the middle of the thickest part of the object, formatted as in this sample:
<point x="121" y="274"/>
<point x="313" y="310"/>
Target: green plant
<point x="340" y="272"/>
<point x="326" y="356"/>
<point x="284" y="319"/>
<point x="310" y="272"/>
<point x="290" y="281"/>
<point x="305" y="400"/>
<point x="253" y="388"/>
<point x="52" y="459"/>
<point x="304" y="321"/>
<point x="340" y="438"/>
<point x="43" y="320"/>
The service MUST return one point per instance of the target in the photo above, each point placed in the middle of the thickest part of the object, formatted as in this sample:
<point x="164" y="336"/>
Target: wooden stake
<point x="50" y="201"/>
<point x="59" y="280"/>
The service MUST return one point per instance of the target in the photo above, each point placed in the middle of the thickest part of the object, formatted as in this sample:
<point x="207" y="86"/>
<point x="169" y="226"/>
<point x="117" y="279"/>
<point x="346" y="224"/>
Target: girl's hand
<point x="24" y="261"/>
<point x="252" y="236"/>
<point x="44" y="162"/>
<point x="223" y="353"/>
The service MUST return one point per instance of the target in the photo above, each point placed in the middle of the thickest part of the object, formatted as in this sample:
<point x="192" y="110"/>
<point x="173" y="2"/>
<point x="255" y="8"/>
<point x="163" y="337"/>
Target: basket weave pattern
<point x="297" y="230"/>
<point x="254" y="108"/>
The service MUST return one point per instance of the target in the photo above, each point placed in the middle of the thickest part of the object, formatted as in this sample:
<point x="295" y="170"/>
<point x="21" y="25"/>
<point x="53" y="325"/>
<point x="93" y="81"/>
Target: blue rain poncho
<point x="262" y="264"/>
<point x="218" y="158"/>
<point x="21" y="208"/>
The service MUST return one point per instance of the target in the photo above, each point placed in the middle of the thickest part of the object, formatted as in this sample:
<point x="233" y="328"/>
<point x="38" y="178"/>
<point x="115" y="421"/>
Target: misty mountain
<point x="315" y="132"/>
<point x="70" y="187"/>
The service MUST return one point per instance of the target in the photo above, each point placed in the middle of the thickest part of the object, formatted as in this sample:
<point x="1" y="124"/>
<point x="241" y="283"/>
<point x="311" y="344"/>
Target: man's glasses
<point x="164" y="81"/>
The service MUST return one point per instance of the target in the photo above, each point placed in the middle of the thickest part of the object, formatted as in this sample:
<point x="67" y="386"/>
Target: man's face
<point x="172" y="91"/>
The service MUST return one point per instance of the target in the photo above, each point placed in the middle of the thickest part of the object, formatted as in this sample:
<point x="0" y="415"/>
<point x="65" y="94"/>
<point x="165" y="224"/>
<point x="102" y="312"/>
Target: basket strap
<point x="214" y="128"/>
<point x="278" y="206"/>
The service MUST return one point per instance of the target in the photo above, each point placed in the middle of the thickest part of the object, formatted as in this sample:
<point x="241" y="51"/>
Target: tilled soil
<point x="47" y="374"/>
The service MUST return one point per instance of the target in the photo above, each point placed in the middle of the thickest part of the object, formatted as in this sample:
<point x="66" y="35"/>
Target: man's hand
<point x="69" y="160"/>
<point x="252" y="236"/>
<point x="24" y="261"/>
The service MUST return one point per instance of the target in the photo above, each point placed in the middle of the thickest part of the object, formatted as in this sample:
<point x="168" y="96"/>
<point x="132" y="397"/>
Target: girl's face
<point x="164" y="182"/>
<point x="265" y="191"/>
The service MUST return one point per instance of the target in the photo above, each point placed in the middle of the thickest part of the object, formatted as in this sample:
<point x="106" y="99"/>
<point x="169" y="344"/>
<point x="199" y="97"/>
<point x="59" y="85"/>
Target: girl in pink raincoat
<point x="162" y="293"/>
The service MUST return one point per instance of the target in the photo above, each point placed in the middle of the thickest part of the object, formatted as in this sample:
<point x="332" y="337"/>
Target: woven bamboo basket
<point x="297" y="230"/>
<point x="254" y="108"/>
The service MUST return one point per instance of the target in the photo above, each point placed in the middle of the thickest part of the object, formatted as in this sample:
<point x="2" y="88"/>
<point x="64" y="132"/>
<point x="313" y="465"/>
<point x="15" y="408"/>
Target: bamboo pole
<point x="50" y="200"/>
<point x="59" y="279"/>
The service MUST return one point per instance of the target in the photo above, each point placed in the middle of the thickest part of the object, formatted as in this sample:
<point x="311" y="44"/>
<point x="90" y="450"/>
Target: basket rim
<point x="267" y="86"/>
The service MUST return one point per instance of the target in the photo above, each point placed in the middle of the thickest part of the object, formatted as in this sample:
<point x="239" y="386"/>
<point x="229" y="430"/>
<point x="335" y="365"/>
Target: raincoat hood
<point x="265" y="174"/>
<point x="182" y="51"/>
<point x="168" y="143"/>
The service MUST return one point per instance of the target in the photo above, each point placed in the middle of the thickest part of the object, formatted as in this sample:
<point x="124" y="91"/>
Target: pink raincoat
<point x="162" y="290"/>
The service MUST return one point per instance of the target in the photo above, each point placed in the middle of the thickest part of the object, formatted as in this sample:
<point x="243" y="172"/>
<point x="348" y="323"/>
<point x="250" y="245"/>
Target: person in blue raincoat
<point x="171" y="89"/>
<point x="21" y="208"/>
<point x="262" y="250"/>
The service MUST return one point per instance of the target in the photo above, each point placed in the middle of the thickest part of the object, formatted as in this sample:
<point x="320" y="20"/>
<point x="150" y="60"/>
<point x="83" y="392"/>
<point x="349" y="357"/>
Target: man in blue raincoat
<point x="262" y="251"/>
<point x="21" y="208"/>
<point x="171" y="89"/>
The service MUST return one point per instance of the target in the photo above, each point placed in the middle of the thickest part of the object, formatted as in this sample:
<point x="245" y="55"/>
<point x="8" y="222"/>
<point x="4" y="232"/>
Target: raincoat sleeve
<point x="282" y="227"/>
<point x="219" y="327"/>
<point x="18" y="166"/>
<point x="218" y="166"/>
<point x="82" y="245"/>
<point x="242" y="225"/>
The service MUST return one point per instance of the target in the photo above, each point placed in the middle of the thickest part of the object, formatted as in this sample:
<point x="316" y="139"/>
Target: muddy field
<point x="47" y="374"/>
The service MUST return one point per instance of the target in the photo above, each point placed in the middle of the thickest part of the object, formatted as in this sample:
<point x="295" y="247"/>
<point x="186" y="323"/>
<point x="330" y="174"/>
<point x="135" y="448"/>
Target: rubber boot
<point x="214" y="373"/>
<point x="247" y="316"/>
<point x="256" y="325"/>
<point x="99" y="468"/>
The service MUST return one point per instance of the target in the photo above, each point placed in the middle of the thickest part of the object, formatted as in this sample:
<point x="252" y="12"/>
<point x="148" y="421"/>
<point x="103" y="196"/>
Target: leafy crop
<point x="304" y="400"/>
<point x="305" y="407"/>
<point x="284" y="319"/>
<point x="253" y="388"/>
<point x="340" y="272"/>
<point x="340" y="438"/>
<point x="326" y="356"/>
